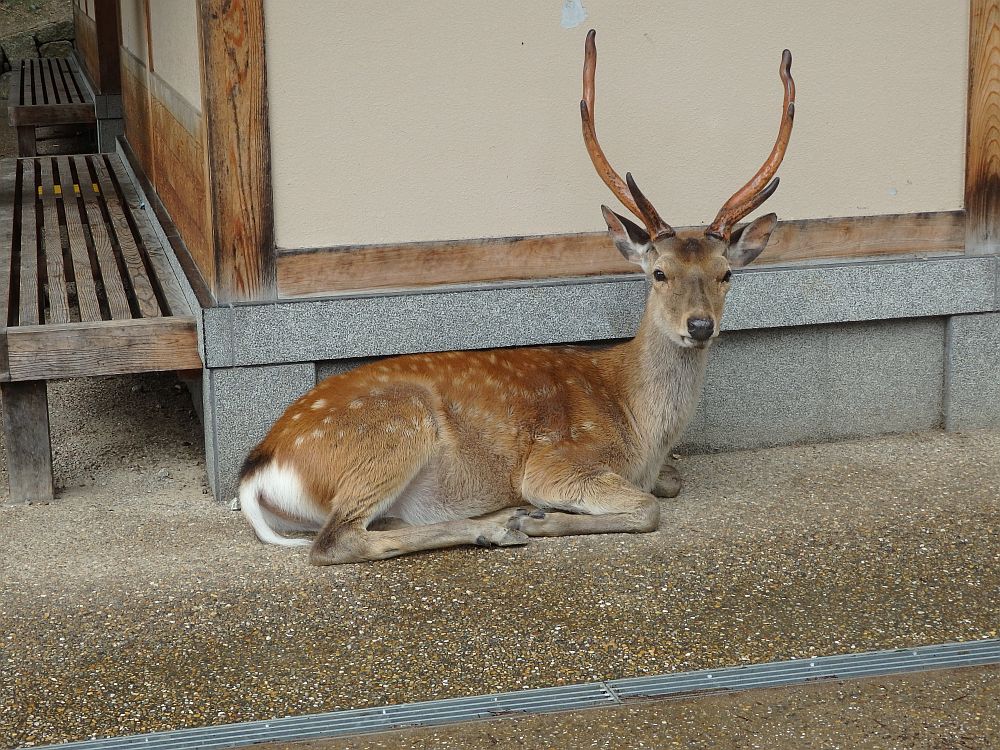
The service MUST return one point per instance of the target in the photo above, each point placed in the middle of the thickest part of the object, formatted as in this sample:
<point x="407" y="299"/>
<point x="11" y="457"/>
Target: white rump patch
<point x="280" y="488"/>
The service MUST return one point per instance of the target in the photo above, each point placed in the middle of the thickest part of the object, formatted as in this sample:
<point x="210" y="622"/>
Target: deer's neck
<point x="663" y="386"/>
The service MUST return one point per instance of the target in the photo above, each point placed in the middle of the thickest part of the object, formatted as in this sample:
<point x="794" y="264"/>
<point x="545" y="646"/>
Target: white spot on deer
<point x="327" y="420"/>
<point x="382" y="378"/>
<point x="588" y="426"/>
<point x="317" y="434"/>
<point x="356" y="403"/>
<point x="340" y="434"/>
<point x="391" y="428"/>
<point x="299" y="441"/>
<point x="318" y="404"/>
<point x="296" y="416"/>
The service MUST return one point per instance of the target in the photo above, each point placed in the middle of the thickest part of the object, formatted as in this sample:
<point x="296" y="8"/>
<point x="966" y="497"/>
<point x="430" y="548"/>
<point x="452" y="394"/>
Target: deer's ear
<point x="748" y="242"/>
<point x="631" y="240"/>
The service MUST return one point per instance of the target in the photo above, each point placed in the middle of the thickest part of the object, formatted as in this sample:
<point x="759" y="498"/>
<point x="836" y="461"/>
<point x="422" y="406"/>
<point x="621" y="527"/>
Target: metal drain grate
<point x="543" y="700"/>
<point x="798" y="671"/>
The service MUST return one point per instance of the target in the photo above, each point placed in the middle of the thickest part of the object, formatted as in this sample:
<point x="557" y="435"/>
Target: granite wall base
<point x="763" y="387"/>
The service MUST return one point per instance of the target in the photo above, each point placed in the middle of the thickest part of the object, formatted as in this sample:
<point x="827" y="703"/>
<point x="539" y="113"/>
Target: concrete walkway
<point x="135" y="603"/>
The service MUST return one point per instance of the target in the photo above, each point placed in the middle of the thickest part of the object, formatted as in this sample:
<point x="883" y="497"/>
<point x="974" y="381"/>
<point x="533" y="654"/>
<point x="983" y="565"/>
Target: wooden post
<point x="982" y="166"/>
<point x="238" y="149"/>
<point x="108" y="33"/>
<point x="26" y="435"/>
<point x="26" y="140"/>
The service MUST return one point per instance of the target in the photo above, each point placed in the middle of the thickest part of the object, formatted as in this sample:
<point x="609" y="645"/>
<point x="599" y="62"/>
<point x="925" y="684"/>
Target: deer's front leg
<point x="668" y="484"/>
<point x="591" y="501"/>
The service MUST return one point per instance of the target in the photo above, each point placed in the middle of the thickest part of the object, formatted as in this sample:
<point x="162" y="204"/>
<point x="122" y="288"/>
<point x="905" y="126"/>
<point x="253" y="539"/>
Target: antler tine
<point x="759" y="189"/>
<point x="657" y="227"/>
<point x="630" y="197"/>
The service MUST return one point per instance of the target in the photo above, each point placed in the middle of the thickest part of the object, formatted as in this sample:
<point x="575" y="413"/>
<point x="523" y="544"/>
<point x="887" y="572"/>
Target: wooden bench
<point x="43" y="92"/>
<point x="85" y="289"/>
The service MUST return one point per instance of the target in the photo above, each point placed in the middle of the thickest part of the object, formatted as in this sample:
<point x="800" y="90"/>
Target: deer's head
<point x="688" y="272"/>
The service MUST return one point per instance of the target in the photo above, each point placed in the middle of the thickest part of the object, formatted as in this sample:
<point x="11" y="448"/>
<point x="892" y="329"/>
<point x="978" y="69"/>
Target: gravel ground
<point x="955" y="710"/>
<point x="135" y="603"/>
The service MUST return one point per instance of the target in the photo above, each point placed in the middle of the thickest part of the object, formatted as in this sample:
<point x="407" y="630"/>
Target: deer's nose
<point x="701" y="329"/>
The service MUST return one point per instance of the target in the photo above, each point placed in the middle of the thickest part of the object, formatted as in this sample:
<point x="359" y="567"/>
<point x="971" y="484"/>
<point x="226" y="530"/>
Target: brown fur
<point x="493" y="446"/>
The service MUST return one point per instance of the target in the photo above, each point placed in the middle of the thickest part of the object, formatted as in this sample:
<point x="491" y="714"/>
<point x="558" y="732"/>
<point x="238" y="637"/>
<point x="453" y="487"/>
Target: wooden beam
<point x="72" y="350"/>
<point x="315" y="273"/>
<point x="108" y="31"/>
<point x="234" y="103"/>
<point x="25" y="409"/>
<point x="982" y="167"/>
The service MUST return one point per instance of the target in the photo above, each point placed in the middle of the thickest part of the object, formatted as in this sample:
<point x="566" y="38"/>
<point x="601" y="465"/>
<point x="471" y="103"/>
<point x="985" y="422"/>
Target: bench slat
<point x="22" y="87"/>
<point x="145" y="295"/>
<point x="28" y="282"/>
<point x="169" y="286"/>
<point x="8" y="184"/>
<point x="103" y="348"/>
<point x="37" y="83"/>
<point x="58" y="299"/>
<point x="76" y="89"/>
<point x="86" y="291"/>
<point x="55" y="82"/>
<point x="110" y="273"/>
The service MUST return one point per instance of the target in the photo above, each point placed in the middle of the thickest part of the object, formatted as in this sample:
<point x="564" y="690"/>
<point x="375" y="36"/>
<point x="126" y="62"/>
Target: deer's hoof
<point x="502" y="537"/>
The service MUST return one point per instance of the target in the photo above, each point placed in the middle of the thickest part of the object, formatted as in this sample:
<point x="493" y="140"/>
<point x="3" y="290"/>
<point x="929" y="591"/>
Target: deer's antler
<point x="758" y="190"/>
<point x="629" y="194"/>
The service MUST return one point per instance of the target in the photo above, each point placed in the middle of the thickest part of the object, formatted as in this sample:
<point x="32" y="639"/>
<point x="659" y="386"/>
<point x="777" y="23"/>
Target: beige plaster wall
<point x="400" y="122"/>
<point x="176" y="53"/>
<point x="133" y="20"/>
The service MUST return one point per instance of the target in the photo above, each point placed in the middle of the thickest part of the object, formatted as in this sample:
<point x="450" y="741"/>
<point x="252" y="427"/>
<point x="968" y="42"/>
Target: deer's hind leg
<point x="587" y="500"/>
<point x="354" y="531"/>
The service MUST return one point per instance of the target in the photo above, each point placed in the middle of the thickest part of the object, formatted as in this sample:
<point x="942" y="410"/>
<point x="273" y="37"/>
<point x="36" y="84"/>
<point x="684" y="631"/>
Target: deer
<point x="493" y="447"/>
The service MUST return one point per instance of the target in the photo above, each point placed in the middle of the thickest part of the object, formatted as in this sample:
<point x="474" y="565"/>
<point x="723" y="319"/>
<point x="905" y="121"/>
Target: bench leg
<point x="26" y="141"/>
<point x="26" y="435"/>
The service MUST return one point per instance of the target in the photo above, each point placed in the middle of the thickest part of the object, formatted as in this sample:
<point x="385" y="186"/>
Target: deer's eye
<point x="659" y="275"/>
<point x="727" y="277"/>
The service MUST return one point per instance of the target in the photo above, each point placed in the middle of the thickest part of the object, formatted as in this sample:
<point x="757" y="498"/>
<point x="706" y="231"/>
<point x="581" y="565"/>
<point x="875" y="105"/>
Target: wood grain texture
<point x="173" y="299"/>
<point x="134" y="266"/>
<point x="316" y="273"/>
<point x="179" y="156"/>
<point x="194" y="275"/>
<point x="111" y="275"/>
<point x="85" y="29"/>
<point x="54" y="269"/>
<point x="83" y="272"/>
<point x="28" y="278"/>
<point x="135" y="111"/>
<point x="234" y="102"/>
<point x="107" y="348"/>
<point x="8" y="200"/>
<point x="982" y="169"/>
<point x="41" y="103"/>
<point x="25" y="413"/>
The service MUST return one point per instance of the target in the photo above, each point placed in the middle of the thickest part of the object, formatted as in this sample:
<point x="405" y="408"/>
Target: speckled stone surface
<point x="122" y="614"/>
<point x="928" y="711"/>
<point x="973" y="383"/>
<point x="786" y="385"/>
<point x="582" y="310"/>
<point x="241" y="404"/>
